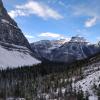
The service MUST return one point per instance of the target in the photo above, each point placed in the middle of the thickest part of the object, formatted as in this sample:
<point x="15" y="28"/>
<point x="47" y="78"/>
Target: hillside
<point x="46" y="81"/>
<point x="15" y="50"/>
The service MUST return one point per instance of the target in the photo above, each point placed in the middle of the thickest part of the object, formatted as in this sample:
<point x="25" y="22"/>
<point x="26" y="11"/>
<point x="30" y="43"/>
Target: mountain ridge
<point x="9" y="30"/>
<point x="15" y="50"/>
<point x="75" y="49"/>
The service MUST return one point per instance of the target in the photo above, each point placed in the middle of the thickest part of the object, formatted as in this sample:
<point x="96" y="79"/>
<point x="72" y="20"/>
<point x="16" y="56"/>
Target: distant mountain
<point x="42" y="49"/>
<point x="14" y="47"/>
<point x="75" y="49"/>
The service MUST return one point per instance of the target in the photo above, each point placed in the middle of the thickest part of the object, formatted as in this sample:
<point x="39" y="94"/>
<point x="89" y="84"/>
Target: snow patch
<point x="14" y="58"/>
<point x="7" y="22"/>
<point x="93" y="98"/>
<point x="87" y="83"/>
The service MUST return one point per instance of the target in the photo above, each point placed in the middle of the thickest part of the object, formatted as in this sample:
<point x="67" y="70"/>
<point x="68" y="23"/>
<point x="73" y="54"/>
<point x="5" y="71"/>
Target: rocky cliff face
<point x="14" y="47"/>
<point x="76" y="49"/>
<point x="9" y="31"/>
<point x="44" y="48"/>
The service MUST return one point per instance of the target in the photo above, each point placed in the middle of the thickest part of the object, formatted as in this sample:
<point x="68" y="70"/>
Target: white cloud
<point x="17" y="12"/>
<point x="36" y="8"/>
<point x="29" y="36"/>
<point x="52" y="35"/>
<point x="90" y="22"/>
<point x="92" y="12"/>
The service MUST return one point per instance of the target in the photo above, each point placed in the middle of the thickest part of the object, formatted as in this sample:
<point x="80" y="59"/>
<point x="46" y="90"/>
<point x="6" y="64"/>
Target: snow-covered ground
<point x="90" y="80"/>
<point x="93" y="98"/>
<point x="87" y="83"/>
<point x="16" y="57"/>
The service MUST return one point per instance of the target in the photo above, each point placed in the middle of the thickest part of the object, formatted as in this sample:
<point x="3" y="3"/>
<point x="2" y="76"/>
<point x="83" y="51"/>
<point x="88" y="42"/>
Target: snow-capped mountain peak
<point x="78" y="39"/>
<point x="76" y="48"/>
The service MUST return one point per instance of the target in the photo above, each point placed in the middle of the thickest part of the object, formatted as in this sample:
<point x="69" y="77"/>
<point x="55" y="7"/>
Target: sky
<point x="56" y="19"/>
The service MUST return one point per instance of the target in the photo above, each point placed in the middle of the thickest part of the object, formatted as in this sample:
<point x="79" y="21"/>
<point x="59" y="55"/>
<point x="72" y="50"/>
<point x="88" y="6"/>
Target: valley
<point x="52" y="67"/>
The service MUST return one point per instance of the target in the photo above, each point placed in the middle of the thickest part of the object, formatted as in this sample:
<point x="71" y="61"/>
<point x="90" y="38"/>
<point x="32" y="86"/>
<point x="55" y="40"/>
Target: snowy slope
<point x="15" y="56"/>
<point x="88" y="82"/>
<point x="91" y="78"/>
